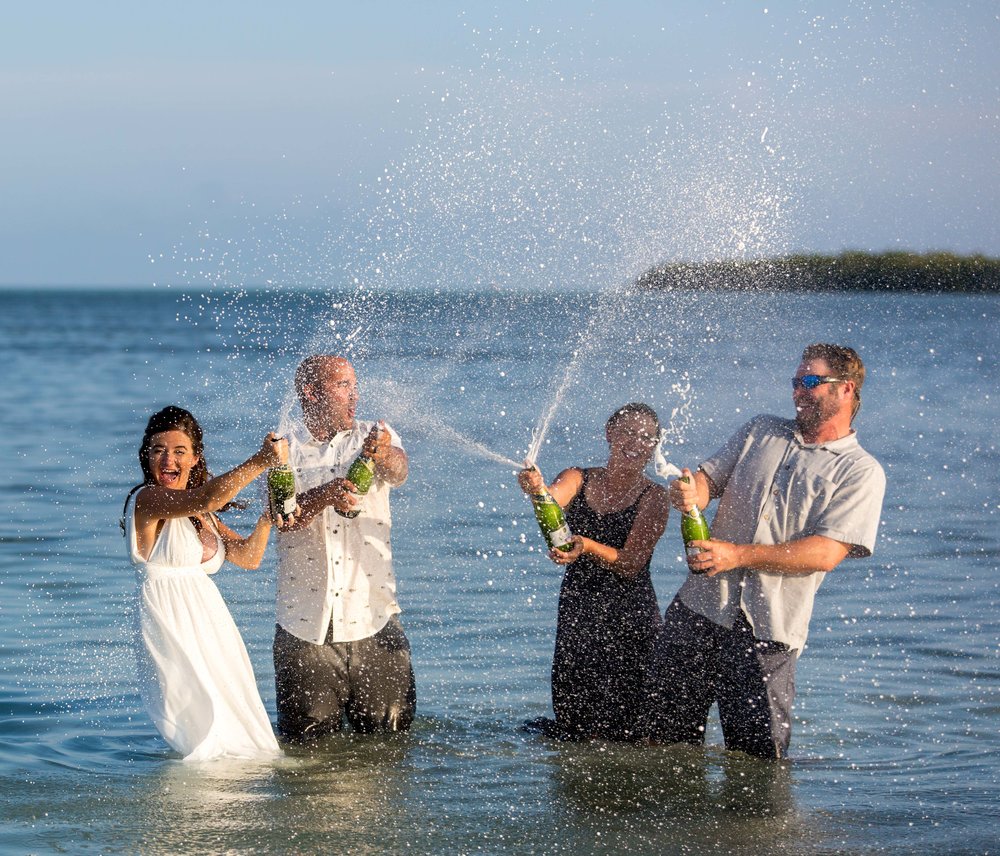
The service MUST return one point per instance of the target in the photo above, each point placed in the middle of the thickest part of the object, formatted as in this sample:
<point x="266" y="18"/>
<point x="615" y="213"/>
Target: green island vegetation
<point x="848" y="271"/>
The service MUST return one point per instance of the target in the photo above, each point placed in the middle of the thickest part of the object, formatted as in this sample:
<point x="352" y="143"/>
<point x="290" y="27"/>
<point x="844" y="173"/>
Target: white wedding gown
<point x="194" y="673"/>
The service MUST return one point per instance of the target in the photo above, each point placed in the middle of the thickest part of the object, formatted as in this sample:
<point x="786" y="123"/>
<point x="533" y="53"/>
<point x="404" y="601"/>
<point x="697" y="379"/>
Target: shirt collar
<point x="304" y="437"/>
<point x="838" y="446"/>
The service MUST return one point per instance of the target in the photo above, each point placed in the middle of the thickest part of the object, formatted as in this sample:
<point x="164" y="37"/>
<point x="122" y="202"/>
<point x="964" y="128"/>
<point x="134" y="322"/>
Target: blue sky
<point x="168" y="143"/>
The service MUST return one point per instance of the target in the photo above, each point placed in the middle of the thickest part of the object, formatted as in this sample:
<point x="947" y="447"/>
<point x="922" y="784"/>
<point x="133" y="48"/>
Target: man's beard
<point x="815" y="413"/>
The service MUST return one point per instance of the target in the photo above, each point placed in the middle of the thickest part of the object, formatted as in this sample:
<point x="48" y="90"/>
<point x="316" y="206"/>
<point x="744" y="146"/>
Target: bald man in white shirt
<point x="340" y="651"/>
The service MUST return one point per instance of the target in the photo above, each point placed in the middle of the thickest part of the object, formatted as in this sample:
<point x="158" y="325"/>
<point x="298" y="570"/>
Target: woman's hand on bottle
<point x="567" y="557"/>
<point x="284" y="522"/>
<point x="274" y="450"/>
<point x="530" y="479"/>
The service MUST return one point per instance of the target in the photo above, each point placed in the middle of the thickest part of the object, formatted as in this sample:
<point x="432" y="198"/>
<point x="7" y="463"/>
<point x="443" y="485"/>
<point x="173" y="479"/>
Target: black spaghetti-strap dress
<point x="605" y="631"/>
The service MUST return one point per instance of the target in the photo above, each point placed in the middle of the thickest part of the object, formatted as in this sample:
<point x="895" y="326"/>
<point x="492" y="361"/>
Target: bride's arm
<point x="246" y="552"/>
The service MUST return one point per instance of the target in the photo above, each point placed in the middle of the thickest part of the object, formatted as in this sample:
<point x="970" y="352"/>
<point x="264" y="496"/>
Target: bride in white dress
<point x="194" y="673"/>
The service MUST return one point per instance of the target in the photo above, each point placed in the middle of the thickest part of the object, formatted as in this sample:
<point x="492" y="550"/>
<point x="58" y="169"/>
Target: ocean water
<point x="895" y="745"/>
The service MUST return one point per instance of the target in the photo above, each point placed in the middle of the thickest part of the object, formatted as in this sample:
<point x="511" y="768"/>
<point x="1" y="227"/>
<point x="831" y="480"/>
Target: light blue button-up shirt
<point x="777" y="488"/>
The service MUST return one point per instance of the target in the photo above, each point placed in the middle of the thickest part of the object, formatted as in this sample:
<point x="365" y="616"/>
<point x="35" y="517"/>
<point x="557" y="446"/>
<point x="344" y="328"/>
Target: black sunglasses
<point x="811" y="381"/>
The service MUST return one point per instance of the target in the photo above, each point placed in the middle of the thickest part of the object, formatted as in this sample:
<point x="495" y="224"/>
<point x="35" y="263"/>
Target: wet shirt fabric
<point x="195" y="677"/>
<point x="777" y="488"/>
<point x="604" y="633"/>
<point x="336" y="574"/>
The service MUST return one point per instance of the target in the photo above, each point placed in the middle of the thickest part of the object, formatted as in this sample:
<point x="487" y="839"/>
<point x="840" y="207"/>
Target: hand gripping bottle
<point x="552" y="521"/>
<point x="694" y="527"/>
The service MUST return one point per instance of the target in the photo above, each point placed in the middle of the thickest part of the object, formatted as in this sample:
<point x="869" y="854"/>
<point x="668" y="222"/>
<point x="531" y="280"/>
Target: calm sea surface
<point x="895" y="744"/>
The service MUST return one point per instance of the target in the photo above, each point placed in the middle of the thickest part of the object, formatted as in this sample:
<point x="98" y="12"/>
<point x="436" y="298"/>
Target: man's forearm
<point x="802" y="556"/>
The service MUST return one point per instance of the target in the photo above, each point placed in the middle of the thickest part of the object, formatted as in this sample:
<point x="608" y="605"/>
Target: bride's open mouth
<point x="169" y="478"/>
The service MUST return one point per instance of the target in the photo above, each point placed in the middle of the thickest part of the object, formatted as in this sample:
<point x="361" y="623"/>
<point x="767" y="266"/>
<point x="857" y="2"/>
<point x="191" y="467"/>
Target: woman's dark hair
<point x="635" y="408"/>
<point x="173" y="418"/>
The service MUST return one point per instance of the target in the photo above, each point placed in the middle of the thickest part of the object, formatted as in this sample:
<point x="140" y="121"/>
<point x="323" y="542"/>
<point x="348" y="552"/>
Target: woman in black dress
<point x="608" y="614"/>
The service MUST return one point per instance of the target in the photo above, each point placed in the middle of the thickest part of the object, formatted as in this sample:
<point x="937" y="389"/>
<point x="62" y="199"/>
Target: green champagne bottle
<point x="552" y="521"/>
<point x="281" y="491"/>
<point x="361" y="474"/>
<point x="694" y="527"/>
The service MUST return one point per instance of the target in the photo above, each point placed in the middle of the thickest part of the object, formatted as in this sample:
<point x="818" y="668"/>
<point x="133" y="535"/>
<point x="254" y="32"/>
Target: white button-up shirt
<point x="777" y="488"/>
<point x="336" y="573"/>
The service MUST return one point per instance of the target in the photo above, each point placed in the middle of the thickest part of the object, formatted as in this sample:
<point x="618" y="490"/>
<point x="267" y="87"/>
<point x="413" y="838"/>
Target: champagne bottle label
<point x="281" y="491"/>
<point x="561" y="538"/>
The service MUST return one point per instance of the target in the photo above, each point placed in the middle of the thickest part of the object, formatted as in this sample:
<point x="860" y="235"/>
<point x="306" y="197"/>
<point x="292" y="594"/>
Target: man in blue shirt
<point x="796" y="497"/>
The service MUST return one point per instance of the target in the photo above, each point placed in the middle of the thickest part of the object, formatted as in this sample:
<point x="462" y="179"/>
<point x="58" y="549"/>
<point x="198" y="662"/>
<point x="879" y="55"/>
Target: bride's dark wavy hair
<point x="173" y="418"/>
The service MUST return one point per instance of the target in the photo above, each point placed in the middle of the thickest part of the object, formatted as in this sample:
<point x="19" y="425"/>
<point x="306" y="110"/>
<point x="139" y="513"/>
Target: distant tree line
<point x="849" y="271"/>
